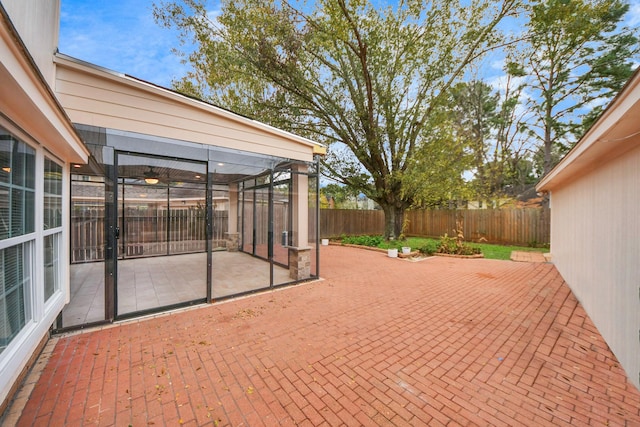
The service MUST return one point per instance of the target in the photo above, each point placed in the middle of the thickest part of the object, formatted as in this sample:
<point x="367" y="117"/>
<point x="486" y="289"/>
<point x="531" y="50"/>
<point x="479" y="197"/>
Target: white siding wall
<point x="595" y="243"/>
<point x="37" y="21"/>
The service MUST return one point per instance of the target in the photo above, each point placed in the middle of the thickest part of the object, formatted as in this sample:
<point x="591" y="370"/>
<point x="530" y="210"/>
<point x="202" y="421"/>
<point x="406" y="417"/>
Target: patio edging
<point x="401" y="255"/>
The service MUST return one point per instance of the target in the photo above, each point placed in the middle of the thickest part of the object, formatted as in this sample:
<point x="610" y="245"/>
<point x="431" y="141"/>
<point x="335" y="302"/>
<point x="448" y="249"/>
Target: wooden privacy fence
<point x="144" y="234"/>
<point x="87" y="235"/>
<point x="352" y="222"/>
<point x="507" y="226"/>
<point x="155" y="232"/>
<point x="256" y="218"/>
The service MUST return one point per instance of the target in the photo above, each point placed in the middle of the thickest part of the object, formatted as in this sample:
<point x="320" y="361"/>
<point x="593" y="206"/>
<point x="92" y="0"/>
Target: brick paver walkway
<point x="380" y="342"/>
<point x="526" y="256"/>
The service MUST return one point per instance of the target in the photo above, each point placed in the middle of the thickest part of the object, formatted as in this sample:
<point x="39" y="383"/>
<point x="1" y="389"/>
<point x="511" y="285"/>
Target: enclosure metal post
<point x="255" y="210"/>
<point x="317" y="215"/>
<point x="241" y="213"/>
<point x="209" y="232"/>
<point x="168" y="224"/>
<point x="270" y="229"/>
<point x="111" y="243"/>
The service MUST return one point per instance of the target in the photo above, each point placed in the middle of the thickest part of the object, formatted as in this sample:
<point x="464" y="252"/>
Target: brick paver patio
<point x="523" y="256"/>
<point x="380" y="341"/>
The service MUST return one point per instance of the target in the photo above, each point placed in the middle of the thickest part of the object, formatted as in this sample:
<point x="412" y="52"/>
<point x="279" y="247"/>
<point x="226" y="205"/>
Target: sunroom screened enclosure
<point x="181" y="202"/>
<point x="189" y="223"/>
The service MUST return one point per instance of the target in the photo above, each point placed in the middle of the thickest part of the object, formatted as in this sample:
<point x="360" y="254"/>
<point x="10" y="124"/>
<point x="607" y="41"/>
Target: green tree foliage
<point x="343" y="197"/>
<point x="492" y="123"/>
<point x="575" y="56"/>
<point x="368" y="81"/>
<point x="474" y="106"/>
<point x="434" y="173"/>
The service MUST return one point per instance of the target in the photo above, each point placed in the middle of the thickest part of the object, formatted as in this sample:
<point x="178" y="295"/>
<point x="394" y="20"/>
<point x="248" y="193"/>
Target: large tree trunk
<point x="393" y="221"/>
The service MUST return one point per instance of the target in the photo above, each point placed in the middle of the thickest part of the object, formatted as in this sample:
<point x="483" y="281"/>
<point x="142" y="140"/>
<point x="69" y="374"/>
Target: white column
<point x="300" y="208"/>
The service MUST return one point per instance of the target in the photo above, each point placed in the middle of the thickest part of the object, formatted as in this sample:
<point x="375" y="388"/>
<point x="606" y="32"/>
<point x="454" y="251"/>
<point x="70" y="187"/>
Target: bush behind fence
<point x="529" y="226"/>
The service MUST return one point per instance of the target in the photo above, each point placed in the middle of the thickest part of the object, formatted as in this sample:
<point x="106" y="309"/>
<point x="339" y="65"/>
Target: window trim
<point x="59" y="231"/>
<point x="38" y="311"/>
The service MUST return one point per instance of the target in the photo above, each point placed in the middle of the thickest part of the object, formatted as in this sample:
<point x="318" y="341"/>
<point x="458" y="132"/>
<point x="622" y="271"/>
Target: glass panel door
<point x="187" y="218"/>
<point x="142" y="219"/>
<point x="162" y="258"/>
<point x="87" y="304"/>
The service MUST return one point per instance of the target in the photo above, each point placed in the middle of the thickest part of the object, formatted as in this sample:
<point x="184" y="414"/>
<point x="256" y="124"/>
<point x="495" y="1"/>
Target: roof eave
<point x="69" y="61"/>
<point x="610" y="136"/>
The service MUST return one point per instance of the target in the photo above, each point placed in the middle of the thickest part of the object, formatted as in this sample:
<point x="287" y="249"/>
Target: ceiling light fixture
<point x="151" y="177"/>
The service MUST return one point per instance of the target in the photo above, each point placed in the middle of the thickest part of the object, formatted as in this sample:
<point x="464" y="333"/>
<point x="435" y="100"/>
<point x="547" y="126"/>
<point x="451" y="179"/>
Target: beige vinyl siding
<point x="100" y="98"/>
<point x="595" y="235"/>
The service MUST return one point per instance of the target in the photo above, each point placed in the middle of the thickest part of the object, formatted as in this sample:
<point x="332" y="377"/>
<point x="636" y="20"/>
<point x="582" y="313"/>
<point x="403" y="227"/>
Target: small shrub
<point x="455" y="246"/>
<point x="372" y="241"/>
<point x="429" y="248"/>
<point x="448" y="245"/>
<point x="466" y="249"/>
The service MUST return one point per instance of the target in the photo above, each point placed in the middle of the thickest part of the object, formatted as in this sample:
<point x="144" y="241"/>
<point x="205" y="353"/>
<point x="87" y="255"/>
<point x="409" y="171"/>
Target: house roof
<point x="616" y="132"/>
<point x="98" y="96"/>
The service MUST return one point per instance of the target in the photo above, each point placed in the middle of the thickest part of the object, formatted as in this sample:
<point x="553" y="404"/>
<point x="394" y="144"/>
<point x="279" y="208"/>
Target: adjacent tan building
<point x="595" y="224"/>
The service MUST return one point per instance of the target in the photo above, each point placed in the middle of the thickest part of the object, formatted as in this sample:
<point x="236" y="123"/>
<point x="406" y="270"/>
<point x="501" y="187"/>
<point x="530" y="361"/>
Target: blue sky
<point x="121" y="35"/>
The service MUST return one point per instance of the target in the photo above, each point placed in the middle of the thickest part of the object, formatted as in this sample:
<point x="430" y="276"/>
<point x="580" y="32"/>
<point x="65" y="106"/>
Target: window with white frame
<point x="52" y="226"/>
<point x="17" y="234"/>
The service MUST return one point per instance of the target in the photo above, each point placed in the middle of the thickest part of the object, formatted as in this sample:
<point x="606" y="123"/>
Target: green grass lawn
<point x="504" y="252"/>
<point x="490" y="251"/>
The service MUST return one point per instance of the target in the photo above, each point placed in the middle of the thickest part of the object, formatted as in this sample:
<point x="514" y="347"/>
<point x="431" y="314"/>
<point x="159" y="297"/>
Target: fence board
<point x="506" y="226"/>
<point x="335" y="222"/>
<point x="145" y="234"/>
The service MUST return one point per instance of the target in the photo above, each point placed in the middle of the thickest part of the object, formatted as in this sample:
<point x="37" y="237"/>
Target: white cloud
<point x="599" y="102"/>
<point x="633" y="16"/>
<point x="501" y="82"/>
